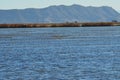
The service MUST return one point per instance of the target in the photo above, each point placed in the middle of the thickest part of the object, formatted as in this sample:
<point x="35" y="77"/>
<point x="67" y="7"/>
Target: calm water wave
<point x="60" y="53"/>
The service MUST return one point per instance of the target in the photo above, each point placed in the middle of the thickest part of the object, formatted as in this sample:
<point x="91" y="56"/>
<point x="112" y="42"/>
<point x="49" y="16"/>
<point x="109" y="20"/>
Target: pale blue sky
<point x="21" y="4"/>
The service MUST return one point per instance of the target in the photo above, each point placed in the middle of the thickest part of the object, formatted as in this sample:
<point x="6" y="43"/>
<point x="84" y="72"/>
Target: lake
<point x="79" y="53"/>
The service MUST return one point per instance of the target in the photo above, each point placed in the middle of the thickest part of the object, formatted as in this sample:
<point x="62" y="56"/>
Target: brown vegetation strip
<point x="74" y="24"/>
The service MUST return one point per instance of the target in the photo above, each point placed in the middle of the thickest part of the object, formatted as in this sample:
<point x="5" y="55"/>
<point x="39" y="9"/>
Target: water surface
<point x="90" y="53"/>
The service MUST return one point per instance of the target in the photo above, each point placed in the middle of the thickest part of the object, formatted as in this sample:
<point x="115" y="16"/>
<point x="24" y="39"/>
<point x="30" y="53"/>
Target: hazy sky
<point x="20" y="4"/>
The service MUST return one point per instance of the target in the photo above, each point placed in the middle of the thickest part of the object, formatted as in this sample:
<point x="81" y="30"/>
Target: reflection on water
<point x="60" y="53"/>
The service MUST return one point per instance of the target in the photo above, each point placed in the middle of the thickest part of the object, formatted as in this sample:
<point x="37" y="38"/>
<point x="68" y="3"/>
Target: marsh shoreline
<point x="67" y="24"/>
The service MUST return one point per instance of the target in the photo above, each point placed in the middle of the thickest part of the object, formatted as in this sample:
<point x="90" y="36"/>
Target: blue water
<point x="60" y="53"/>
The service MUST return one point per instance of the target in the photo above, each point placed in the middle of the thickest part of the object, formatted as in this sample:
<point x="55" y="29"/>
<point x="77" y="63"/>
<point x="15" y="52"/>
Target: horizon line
<point x="56" y="6"/>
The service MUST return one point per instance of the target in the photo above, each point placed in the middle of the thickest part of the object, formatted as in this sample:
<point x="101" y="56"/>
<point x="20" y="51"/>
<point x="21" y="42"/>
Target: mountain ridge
<point x="59" y="14"/>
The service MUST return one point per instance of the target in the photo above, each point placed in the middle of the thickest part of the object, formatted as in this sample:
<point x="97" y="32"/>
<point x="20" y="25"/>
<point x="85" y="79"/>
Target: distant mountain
<point x="59" y="14"/>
